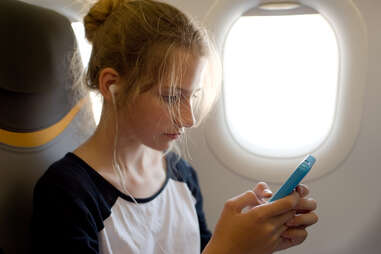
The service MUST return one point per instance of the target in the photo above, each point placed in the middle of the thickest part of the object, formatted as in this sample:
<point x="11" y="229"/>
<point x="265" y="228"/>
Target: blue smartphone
<point x="295" y="178"/>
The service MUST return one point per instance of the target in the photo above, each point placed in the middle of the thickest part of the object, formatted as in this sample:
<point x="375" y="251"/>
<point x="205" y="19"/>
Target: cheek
<point x="160" y="117"/>
<point x="159" y="111"/>
<point x="154" y="117"/>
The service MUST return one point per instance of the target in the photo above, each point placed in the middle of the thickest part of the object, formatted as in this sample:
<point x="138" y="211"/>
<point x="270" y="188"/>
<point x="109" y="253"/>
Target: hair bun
<point x="97" y="16"/>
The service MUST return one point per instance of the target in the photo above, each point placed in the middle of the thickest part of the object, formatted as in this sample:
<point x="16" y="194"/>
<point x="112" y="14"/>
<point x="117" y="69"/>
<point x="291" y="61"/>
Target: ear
<point x="107" y="77"/>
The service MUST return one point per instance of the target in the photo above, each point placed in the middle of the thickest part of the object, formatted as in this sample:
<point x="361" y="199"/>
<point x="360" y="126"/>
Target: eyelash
<point x="171" y="99"/>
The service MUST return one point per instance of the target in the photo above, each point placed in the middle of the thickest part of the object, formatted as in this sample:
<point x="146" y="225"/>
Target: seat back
<point x="40" y="114"/>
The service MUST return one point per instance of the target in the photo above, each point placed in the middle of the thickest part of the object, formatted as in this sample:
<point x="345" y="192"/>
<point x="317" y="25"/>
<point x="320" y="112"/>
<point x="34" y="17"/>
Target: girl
<point x="123" y="191"/>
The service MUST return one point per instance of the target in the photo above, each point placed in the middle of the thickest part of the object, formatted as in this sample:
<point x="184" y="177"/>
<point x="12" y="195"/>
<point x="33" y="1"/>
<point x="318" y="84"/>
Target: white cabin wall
<point x="349" y="200"/>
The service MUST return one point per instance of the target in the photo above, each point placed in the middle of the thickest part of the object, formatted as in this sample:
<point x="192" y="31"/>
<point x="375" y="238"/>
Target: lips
<point x="173" y="135"/>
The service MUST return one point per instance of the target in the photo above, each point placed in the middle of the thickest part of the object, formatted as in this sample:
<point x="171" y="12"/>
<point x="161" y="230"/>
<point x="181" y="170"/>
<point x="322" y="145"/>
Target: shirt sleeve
<point x="204" y="231"/>
<point x="61" y="223"/>
<point x="190" y="176"/>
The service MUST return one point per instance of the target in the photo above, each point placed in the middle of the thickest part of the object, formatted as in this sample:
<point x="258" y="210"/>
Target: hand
<point x="296" y="232"/>
<point x="305" y="217"/>
<point x="258" y="230"/>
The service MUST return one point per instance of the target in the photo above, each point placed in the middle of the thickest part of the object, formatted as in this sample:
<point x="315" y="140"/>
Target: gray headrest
<point x="35" y="76"/>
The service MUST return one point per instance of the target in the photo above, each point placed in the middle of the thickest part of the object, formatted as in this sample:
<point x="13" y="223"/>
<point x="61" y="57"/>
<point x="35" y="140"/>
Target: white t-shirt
<point x="77" y="211"/>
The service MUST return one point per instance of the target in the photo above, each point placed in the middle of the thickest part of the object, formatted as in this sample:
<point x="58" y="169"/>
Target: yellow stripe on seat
<point x="41" y="137"/>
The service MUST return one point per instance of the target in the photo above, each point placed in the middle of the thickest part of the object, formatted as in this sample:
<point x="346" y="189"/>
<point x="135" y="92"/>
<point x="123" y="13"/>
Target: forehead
<point x="186" y="74"/>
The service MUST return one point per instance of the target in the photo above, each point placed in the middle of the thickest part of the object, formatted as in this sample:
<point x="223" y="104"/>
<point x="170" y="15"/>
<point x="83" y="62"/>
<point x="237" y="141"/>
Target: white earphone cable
<point x="121" y="172"/>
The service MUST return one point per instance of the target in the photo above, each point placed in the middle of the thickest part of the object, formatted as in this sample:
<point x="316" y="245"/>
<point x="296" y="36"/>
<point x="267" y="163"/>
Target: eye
<point x="171" y="99"/>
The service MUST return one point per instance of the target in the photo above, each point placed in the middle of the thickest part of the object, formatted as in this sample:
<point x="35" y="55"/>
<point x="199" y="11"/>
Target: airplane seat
<point x="41" y="116"/>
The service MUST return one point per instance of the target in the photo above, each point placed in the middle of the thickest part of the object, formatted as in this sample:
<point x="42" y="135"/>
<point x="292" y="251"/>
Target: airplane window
<point x="280" y="83"/>
<point x="85" y="51"/>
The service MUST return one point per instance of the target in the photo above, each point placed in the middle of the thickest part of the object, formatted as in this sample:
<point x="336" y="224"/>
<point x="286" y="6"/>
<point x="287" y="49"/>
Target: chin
<point x="161" y="147"/>
<point x="161" y="144"/>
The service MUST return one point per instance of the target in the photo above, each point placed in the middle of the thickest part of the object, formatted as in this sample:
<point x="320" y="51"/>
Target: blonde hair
<point x="139" y="39"/>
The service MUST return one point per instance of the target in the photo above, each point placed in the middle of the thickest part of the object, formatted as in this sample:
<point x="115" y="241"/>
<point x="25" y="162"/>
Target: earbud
<point x="112" y="89"/>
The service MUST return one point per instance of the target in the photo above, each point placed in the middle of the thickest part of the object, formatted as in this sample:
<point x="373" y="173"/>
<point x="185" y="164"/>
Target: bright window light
<point x="280" y="83"/>
<point x="85" y="51"/>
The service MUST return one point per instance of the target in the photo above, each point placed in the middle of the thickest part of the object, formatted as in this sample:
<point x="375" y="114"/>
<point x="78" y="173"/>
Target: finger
<point x="295" y="235"/>
<point x="245" y="199"/>
<point x="281" y="220"/>
<point x="283" y="244"/>
<point x="278" y="207"/>
<point x="306" y="205"/>
<point x="303" y="220"/>
<point x="303" y="190"/>
<point x="280" y="231"/>
<point x="262" y="190"/>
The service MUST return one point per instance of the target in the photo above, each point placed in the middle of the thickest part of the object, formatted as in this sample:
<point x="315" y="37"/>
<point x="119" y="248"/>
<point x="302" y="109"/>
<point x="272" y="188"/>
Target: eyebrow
<point x="182" y="90"/>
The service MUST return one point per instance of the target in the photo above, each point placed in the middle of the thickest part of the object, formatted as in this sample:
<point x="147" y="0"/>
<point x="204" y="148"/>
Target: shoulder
<point x="68" y="211"/>
<point x="68" y="173"/>
<point x="180" y="170"/>
<point x="71" y="186"/>
<point x="74" y="179"/>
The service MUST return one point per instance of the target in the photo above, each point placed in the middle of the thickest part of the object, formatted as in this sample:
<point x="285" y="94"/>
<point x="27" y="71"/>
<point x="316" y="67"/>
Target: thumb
<point x="262" y="190"/>
<point x="247" y="199"/>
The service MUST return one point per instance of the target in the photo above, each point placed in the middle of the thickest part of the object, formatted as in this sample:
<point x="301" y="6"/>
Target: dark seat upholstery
<point x="40" y="116"/>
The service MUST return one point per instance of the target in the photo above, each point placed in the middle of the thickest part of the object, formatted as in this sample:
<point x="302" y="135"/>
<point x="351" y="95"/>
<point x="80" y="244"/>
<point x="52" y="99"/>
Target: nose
<point x="186" y="117"/>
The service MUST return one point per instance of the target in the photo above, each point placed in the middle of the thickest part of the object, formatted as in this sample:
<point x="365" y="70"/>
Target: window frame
<point x="351" y="33"/>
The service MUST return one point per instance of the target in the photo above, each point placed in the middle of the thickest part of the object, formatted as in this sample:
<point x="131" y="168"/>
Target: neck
<point x="144" y="167"/>
<point x="99" y="149"/>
